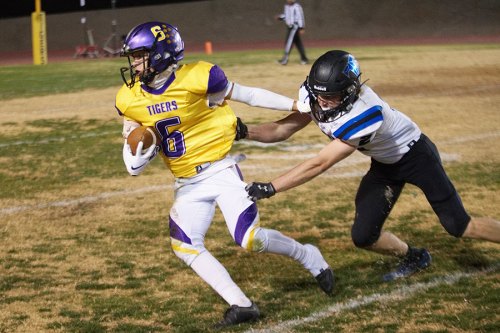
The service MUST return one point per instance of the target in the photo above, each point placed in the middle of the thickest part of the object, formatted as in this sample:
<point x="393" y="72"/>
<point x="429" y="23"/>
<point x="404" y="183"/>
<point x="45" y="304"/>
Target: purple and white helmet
<point x="163" y="44"/>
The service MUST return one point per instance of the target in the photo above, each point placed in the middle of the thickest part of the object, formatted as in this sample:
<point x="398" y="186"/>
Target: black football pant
<point x="381" y="186"/>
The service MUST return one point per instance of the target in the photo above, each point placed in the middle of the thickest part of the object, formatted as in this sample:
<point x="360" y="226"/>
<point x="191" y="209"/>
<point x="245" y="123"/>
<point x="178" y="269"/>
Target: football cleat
<point x="326" y="280"/>
<point x="236" y="315"/>
<point x="415" y="261"/>
<point x="320" y="269"/>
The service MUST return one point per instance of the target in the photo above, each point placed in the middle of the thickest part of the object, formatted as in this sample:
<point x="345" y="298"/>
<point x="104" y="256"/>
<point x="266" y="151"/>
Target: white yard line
<point x="332" y="173"/>
<point x="59" y="139"/>
<point x="107" y="195"/>
<point x="468" y="138"/>
<point x="399" y="294"/>
<point x="352" y="161"/>
<point x="80" y="200"/>
<point x="279" y="145"/>
<point x="305" y="147"/>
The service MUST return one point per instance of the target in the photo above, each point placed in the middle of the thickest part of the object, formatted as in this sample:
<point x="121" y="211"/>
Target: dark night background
<point x="237" y="24"/>
<point x="26" y="7"/>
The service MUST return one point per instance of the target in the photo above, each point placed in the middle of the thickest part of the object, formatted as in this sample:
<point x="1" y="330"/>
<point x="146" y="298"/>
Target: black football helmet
<point x="163" y="45"/>
<point x="335" y="73"/>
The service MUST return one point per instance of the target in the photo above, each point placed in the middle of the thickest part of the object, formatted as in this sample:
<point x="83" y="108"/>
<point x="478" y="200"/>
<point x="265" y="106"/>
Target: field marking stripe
<point x="55" y="140"/>
<point x="17" y="209"/>
<point x="474" y="137"/>
<point x="279" y="145"/>
<point x="399" y="294"/>
<point x="331" y="173"/>
<point x="287" y="147"/>
<point x="107" y="195"/>
<point x="87" y="199"/>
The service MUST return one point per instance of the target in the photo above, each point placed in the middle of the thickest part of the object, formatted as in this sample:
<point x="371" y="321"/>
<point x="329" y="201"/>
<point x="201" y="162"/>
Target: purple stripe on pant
<point x="177" y="233"/>
<point x="244" y="222"/>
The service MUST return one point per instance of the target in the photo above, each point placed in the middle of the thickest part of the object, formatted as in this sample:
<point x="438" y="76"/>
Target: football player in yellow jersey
<point x="187" y="105"/>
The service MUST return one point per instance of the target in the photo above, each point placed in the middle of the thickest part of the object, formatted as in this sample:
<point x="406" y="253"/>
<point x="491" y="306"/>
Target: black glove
<point x="257" y="191"/>
<point x="241" y="130"/>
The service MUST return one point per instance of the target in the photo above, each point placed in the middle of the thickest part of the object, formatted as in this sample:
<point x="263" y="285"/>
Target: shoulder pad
<point x="194" y="77"/>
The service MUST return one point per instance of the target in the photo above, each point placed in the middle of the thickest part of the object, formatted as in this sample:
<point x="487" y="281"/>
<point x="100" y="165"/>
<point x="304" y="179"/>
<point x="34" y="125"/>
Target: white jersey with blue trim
<point x="374" y="128"/>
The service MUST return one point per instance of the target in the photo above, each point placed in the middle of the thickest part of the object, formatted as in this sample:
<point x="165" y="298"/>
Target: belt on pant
<point x="412" y="142"/>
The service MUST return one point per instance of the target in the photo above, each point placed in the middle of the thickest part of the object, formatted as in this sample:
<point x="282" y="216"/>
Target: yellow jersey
<point x="192" y="133"/>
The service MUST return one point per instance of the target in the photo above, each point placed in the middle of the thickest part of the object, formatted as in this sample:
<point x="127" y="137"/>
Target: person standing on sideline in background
<point x="187" y="107"/>
<point x="354" y="117"/>
<point x="293" y="16"/>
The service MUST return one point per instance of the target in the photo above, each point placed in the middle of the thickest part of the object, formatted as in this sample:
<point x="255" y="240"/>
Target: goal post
<point x="39" y="35"/>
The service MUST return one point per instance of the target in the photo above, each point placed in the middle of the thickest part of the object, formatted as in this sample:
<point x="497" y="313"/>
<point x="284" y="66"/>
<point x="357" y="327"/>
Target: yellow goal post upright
<point x="39" y="35"/>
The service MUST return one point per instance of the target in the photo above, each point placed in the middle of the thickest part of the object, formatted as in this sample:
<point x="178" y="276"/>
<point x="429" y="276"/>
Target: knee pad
<point x="362" y="238"/>
<point x="452" y="215"/>
<point x="255" y="239"/>
<point x="455" y="226"/>
<point x="186" y="252"/>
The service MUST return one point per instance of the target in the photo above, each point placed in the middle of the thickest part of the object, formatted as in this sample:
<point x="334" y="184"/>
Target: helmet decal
<point x="352" y="66"/>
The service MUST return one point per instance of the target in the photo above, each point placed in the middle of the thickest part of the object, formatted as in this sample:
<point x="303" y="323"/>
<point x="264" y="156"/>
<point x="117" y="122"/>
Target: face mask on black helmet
<point x="335" y="73"/>
<point x="162" y="45"/>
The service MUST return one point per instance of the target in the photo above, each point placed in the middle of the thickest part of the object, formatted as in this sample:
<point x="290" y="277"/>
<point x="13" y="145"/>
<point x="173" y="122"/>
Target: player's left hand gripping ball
<point x="257" y="191"/>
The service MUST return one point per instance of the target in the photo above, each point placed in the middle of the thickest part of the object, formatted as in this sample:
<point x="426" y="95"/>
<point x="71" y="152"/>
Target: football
<point x="142" y="133"/>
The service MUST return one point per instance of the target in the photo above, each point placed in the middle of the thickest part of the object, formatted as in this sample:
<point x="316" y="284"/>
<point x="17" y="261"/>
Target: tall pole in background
<point x="88" y="48"/>
<point x="112" y="45"/>
<point x="39" y="35"/>
<point x="83" y="21"/>
<point x="114" y="24"/>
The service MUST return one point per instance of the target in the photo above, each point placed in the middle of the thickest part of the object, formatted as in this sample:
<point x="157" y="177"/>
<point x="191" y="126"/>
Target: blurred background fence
<point x="248" y="23"/>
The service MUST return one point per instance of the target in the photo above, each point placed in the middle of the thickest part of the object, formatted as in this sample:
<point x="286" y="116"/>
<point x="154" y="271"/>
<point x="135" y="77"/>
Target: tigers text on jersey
<point x="376" y="129"/>
<point x="193" y="134"/>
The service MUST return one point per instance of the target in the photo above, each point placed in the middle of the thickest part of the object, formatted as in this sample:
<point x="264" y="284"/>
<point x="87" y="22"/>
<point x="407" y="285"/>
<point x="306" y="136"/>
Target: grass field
<point x="84" y="247"/>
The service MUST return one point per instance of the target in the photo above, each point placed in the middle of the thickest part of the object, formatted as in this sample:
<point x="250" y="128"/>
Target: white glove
<point x="137" y="163"/>
<point x="303" y="103"/>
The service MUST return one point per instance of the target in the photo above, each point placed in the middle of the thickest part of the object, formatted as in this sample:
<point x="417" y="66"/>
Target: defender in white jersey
<point x="186" y="105"/>
<point x="354" y="117"/>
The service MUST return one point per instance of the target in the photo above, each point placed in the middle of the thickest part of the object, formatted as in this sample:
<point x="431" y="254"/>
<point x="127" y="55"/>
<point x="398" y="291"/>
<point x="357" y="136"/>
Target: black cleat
<point x="236" y="315"/>
<point x="415" y="261"/>
<point x="326" y="280"/>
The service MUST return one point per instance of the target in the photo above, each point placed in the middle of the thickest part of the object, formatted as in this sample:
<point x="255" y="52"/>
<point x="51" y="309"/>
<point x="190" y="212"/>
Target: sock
<point x="213" y="273"/>
<point x="276" y="242"/>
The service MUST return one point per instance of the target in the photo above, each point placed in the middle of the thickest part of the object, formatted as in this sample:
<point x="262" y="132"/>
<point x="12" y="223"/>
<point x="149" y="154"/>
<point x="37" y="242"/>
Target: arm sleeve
<point x="261" y="98"/>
